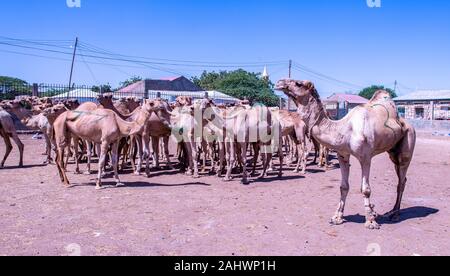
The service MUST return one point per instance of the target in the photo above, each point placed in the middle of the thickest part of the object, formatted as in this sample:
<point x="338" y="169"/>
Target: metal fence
<point x="84" y="93"/>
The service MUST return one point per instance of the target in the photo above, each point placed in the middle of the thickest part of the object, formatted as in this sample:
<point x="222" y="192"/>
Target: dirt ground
<point x="172" y="214"/>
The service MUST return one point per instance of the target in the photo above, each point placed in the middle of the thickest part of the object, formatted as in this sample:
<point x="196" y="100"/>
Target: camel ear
<point x="309" y="86"/>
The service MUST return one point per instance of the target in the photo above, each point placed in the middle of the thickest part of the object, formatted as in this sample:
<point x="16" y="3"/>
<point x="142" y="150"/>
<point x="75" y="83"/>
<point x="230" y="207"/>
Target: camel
<point x="100" y="126"/>
<point x="41" y="123"/>
<point x="367" y="131"/>
<point x="158" y="126"/>
<point x="242" y="125"/>
<point x="7" y="131"/>
<point x="293" y="127"/>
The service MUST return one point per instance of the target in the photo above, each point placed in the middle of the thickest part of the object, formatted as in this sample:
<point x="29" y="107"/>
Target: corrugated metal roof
<point x="195" y="94"/>
<point x="78" y="93"/>
<point x="167" y="84"/>
<point x="425" y="95"/>
<point x="350" y="98"/>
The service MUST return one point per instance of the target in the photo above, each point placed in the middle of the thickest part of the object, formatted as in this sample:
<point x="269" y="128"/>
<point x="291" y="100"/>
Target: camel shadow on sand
<point x="24" y="167"/>
<point x="112" y="185"/>
<point x="405" y="214"/>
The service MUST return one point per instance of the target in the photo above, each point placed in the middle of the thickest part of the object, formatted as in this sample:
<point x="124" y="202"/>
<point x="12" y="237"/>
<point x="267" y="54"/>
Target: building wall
<point x="413" y="110"/>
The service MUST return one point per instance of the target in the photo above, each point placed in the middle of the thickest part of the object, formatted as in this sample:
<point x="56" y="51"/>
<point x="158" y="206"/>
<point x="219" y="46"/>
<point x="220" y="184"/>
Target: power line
<point x="323" y="76"/>
<point x="99" y="50"/>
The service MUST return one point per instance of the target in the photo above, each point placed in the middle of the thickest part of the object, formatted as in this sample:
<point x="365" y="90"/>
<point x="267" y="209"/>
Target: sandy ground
<point x="172" y="214"/>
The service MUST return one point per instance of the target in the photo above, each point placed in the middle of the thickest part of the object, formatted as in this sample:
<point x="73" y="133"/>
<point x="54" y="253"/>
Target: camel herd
<point x="130" y="130"/>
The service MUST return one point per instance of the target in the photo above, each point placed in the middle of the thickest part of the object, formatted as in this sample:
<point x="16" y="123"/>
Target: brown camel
<point x="100" y="126"/>
<point x="365" y="132"/>
<point x="7" y="131"/>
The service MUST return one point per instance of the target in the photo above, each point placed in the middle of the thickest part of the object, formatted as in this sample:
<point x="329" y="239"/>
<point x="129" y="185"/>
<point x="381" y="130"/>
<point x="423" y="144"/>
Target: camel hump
<point x="381" y="95"/>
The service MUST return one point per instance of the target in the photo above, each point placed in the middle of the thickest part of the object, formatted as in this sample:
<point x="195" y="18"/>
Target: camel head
<point x="153" y="106"/>
<point x="298" y="90"/>
<point x="132" y="103"/>
<point x="53" y="112"/>
<point x="182" y="101"/>
<point x="106" y="100"/>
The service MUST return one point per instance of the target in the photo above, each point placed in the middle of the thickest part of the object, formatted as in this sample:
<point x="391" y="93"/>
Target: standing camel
<point x="365" y="132"/>
<point x="7" y="130"/>
<point x="100" y="126"/>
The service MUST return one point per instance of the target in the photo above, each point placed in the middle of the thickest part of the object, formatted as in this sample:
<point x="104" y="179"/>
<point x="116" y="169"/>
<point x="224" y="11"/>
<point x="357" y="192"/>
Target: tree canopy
<point x="105" y="88"/>
<point x="129" y="81"/>
<point x="370" y="91"/>
<point x="12" y="81"/>
<point x="239" y="84"/>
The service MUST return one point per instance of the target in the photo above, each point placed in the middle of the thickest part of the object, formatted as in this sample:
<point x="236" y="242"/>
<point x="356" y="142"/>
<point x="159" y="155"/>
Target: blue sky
<point x="404" y="40"/>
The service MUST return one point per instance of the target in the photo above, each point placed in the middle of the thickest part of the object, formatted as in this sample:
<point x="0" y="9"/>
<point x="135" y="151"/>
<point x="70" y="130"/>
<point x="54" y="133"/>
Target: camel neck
<point x="320" y="126"/>
<point x="136" y="126"/>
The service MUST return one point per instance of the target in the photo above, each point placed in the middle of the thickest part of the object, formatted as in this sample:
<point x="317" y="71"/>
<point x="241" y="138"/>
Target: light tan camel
<point x="158" y="126"/>
<point x="41" y="123"/>
<point x="241" y="126"/>
<point x="365" y="132"/>
<point x="100" y="126"/>
<point x="292" y="126"/>
<point x="7" y="131"/>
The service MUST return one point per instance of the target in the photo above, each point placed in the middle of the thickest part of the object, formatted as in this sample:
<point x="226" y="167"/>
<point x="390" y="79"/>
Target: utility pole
<point x="290" y="76"/>
<point x="290" y="68"/>
<point x="73" y="62"/>
<point x="395" y="86"/>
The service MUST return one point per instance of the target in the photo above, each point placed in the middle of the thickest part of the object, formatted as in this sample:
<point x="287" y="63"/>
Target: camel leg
<point x="89" y="157"/>
<point x="267" y="159"/>
<point x="9" y="148"/>
<point x="155" y="146"/>
<point x="48" y="148"/>
<point x="61" y="166"/>
<point x="146" y="153"/>
<point x="20" y="145"/>
<point x="299" y="159"/>
<point x="281" y="157"/>
<point x="344" y="161"/>
<point x="137" y="170"/>
<point x="401" y="156"/>
<point x="77" y="162"/>
<point x="255" y="157"/>
<point x="371" y="215"/>
<point x="115" y="162"/>
<point x="195" y="156"/>
<point x="130" y="152"/>
<point x="211" y="150"/>
<point x="221" y="152"/>
<point x="243" y="158"/>
<point x="101" y="164"/>
<point x="205" y="155"/>
<point x="304" y="156"/>
<point x="166" y="140"/>
<point x="230" y="160"/>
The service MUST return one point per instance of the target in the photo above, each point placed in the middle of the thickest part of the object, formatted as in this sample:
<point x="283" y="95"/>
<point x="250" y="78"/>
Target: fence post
<point x="35" y="92"/>
<point x="146" y="89"/>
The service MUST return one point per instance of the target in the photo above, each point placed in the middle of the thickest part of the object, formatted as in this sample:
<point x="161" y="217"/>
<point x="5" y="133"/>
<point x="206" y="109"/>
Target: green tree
<point x="11" y="87"/>
<point x="130" y="81"/>
<point x="370" y="91"/>
<point x="12" y="81"/>
<point x="105" y="88"/>
<point x="239" y="84"/>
